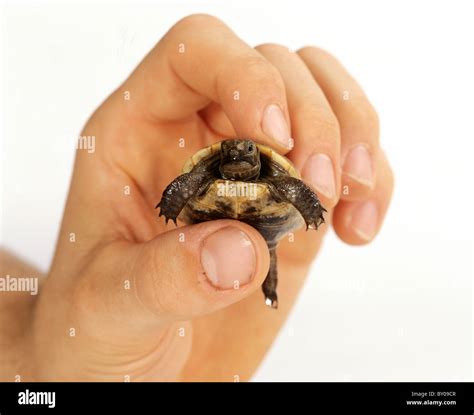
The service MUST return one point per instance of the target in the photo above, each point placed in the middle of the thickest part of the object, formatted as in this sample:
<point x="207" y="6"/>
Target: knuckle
<point x="162" y="291"/>
<point x="252" y="69"/>
<point x="271" y="48"/>
<point x="257" y="66"/>
<point x="365" y="120"/>
<point x="315" y="51"/>
<point x="321" y="118"/>
<point x="198" y="20"/>
<point x="151" y="290"/>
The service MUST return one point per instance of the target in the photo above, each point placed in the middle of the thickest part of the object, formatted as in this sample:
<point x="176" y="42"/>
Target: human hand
<point x="135" y="292"/>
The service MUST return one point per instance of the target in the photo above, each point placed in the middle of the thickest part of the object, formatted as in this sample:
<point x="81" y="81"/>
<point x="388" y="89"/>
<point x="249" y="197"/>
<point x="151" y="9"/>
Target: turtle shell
<point x="216" y="148"/>
<point x="250" y="202"/>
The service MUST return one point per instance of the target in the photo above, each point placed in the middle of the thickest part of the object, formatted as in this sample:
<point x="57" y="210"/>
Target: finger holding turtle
<point x="366" y="179"/>
<point x="336" y="137"/>
<point x="191" y="68"/>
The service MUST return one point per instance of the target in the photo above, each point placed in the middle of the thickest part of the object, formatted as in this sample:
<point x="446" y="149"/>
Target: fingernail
<point x="275" y="126"/>
<point x="364" y="220"/>
<point x="358" y="166"/>
<point x="319" y="171"/>
<point x="228" y="258"/>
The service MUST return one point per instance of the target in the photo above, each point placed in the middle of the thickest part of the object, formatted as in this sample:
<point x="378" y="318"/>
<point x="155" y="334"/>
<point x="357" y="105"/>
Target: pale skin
<point x="135" y="295"/>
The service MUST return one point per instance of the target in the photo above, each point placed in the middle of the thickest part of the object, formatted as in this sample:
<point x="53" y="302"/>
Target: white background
<point x="399" y="309"/>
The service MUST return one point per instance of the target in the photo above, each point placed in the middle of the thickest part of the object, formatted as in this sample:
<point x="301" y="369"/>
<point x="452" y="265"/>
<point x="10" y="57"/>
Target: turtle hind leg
<point x="270" y="284"/>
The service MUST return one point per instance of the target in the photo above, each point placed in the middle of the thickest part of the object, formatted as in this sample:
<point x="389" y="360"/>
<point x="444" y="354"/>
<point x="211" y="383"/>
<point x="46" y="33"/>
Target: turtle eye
<point x="250" y="148"/>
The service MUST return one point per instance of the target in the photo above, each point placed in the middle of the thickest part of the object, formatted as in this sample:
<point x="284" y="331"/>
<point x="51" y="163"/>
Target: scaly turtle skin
<point x="239" y="179"/>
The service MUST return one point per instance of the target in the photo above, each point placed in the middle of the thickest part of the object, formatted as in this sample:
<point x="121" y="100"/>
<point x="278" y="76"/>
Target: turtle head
<point x="240" y="160"/>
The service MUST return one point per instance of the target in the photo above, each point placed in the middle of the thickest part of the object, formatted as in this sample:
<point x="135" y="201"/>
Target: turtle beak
<point x="239" y="170"/>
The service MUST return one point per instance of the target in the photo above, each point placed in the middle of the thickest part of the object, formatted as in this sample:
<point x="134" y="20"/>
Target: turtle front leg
<point x="270" y="284"/>
<point x="178" y="193"/>
<point x="296" y="192"/>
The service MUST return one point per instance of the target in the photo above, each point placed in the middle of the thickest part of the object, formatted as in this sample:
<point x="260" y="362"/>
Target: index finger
<point x="201" y="60"/>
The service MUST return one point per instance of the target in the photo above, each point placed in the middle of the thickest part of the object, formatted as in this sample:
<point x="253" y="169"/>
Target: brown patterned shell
<point x="216" y="148"/>
<point x="273" y="219"/>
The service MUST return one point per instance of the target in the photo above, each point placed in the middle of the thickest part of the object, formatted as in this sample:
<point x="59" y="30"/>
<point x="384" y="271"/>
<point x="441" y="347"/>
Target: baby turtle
<point x="239" y="179"/>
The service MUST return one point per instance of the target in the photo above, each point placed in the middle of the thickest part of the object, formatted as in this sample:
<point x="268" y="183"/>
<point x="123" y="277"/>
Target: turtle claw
<point x="167" y="218"/>
<point x="314" y="224"/>
<point x="272" y="302"/>
<point x="167" y="213"/>
<point x="315" y="220"/>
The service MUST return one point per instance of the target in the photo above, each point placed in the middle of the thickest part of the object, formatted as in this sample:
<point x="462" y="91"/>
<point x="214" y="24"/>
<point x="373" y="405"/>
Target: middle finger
<point x="315" y="128"/>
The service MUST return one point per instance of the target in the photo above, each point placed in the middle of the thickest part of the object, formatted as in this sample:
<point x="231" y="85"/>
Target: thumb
<point x="183" y="273"/>
<point x="201" y="268"/>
